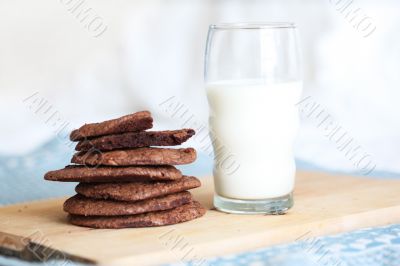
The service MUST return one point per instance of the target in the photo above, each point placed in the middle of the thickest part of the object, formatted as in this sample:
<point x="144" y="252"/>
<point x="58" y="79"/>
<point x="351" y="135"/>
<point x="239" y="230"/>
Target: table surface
<point x="21" y="179"/>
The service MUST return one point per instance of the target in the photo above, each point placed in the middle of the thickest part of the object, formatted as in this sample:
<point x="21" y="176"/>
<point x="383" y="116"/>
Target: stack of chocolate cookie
<point x="123" y="181"/>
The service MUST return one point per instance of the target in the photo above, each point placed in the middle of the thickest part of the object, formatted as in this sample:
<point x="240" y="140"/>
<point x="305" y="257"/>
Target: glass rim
<point x="253" y="25"/>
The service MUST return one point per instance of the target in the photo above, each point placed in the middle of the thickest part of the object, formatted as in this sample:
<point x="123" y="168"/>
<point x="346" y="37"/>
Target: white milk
<point x="256" y="125"/>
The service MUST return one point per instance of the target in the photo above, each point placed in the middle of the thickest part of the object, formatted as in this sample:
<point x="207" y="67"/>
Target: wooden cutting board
<point x="324" y="204"/>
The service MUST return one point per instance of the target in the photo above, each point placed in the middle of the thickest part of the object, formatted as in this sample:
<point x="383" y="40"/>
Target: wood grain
<point x="324" y="204"/>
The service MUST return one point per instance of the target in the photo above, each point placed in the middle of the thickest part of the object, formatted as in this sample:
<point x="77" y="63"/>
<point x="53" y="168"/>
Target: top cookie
<point x="129" y="123"/>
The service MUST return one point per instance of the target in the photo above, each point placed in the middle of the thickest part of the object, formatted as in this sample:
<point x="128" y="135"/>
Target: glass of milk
<point x="253" y="81"/>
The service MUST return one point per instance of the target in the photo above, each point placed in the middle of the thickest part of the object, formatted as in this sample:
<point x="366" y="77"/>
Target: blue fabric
<point x="21" y="180"/>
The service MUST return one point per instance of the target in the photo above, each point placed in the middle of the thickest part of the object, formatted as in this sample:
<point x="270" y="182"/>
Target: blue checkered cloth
<point x="21" y="179"/>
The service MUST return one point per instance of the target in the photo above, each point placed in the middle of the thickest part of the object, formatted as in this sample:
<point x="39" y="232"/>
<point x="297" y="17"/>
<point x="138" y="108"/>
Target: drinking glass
<point x="253" y="81"/>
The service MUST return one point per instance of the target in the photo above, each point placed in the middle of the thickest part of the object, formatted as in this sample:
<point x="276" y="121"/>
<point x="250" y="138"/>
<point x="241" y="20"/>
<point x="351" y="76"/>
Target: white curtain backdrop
<point x="153" y="50"/>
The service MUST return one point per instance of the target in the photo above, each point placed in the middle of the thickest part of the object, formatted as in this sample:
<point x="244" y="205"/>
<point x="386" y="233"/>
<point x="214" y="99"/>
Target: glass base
<point x="278" y="205"/>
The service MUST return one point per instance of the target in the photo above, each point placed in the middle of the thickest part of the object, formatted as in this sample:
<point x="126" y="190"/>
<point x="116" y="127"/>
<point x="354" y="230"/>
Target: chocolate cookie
<point x="80" y="205"/>
<point x="139" y="156"/>
<point x="136" y="140"/>
<point x="134" y="191"/>
<point x="180" y="214"/>
<point x="128" y="123"/>
<point x="78" y="173"/>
